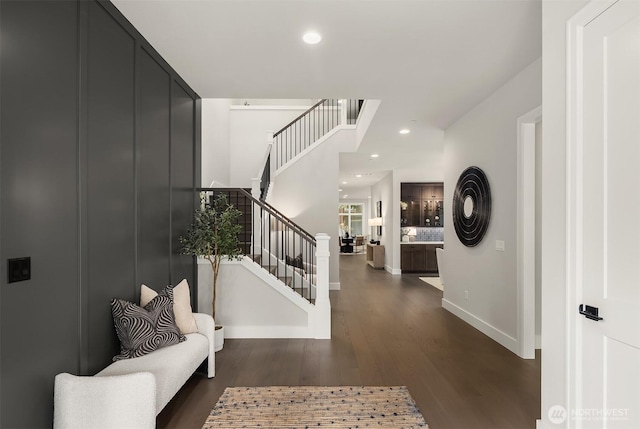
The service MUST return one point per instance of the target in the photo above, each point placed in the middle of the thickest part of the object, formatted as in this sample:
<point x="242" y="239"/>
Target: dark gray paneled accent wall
<point x="110" y="186"/>
<point x="39" y="205"/>
<point x="182" y="179"/>
<point x="154" y="129"/>
<point x="98" y="167"/>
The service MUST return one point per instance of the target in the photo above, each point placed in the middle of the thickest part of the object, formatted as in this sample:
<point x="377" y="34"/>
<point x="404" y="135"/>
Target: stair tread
<point x="285" y="280"/>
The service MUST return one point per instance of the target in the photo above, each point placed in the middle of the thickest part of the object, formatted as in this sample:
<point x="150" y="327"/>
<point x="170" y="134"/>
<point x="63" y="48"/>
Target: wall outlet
<point x="466" y="294"/>
<point x="500" y="245"/>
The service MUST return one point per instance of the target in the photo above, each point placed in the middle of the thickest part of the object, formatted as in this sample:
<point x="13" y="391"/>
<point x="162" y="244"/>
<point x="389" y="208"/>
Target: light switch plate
<point x="500" y="245"/>
<point x="18" y="269"/>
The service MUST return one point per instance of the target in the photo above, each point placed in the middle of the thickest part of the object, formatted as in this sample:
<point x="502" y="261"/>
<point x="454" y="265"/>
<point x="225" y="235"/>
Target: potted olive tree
<point x="213" y="235"/>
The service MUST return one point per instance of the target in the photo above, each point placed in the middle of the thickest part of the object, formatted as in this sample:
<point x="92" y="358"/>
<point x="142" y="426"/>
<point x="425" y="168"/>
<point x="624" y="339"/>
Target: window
<point x="350" y="219"/>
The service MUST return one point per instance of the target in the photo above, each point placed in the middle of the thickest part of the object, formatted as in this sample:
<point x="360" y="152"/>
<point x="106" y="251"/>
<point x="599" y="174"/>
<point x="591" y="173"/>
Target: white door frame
<point x="526" y="230"/>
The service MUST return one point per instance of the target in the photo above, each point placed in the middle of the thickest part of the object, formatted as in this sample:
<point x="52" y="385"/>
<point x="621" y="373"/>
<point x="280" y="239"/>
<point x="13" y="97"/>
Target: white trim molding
<point x="540" y="424"/>
<point x="393" y="271"/>
<point x="266" y="332"/>
<point x="526" y="232"/>
<point x="489" y="330"/>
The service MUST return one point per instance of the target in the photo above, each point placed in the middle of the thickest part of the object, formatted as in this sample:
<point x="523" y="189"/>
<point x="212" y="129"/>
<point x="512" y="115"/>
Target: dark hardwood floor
<point x="387" y="330"/>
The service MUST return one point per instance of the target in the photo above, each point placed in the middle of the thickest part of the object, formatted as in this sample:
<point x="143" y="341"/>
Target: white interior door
<point x="605" y="172"/>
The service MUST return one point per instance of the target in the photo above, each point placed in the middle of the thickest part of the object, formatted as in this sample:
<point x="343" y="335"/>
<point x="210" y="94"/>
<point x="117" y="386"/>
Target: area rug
<point x="389" y="407"/>
<point x="433" y="281"/>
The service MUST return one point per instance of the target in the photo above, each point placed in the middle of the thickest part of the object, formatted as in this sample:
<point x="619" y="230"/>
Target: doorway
<point x="529" y="236"/>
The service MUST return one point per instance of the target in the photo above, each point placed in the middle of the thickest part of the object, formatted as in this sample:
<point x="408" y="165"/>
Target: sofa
<point x="130" y="393"/>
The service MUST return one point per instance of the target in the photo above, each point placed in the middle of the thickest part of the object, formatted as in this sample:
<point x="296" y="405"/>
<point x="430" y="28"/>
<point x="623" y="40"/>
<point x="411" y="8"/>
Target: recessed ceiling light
<point x="312" y="38"/>
<point x="374" y="155"/>
<point x="358" y="175"/>
<point x="345" y="196"/>
<point x="344" y="183"/>
<point x="339" y="190"/>
<point x="405" y="131"/>
<point x="369" y="197"/>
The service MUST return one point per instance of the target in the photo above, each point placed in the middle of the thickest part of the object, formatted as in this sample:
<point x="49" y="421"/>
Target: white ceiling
<point x="429" y="61"/>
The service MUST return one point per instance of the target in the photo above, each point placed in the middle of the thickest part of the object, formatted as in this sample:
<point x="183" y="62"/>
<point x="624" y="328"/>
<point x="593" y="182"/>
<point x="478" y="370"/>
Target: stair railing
<point x="312" y="125"/>
<point x="277" y="244"/>
<point x="265" y="178"/>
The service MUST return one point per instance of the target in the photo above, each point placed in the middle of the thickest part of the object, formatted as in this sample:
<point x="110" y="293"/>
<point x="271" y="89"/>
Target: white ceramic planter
<point x="218" y="338"/>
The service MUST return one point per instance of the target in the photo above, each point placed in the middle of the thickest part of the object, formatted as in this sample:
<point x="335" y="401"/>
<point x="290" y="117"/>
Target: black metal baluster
<point x="302" y="271"/>
<point x="300" y="145"/>
<point x="324" y="114"/>
<point x="293" y="268"/>
<point x="309" y="130"/>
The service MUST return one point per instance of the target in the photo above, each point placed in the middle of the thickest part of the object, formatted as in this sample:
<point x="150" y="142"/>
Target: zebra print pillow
<point x="143" y="330"/>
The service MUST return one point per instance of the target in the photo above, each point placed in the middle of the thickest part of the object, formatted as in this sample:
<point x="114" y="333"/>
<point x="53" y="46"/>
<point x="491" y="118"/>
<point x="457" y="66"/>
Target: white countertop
<point x="422" y="242"/>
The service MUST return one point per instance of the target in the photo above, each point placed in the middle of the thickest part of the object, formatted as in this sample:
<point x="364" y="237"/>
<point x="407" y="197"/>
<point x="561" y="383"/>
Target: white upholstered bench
<point x="130" y="393"/>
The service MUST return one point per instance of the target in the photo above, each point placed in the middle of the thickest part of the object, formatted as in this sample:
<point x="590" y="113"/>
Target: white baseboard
<point x="542" y="425"/>
<point x="490" y="331"/>
<point x="393" y="271"/>
<point x="237" y="332"/>
<point x="334" y="286"/>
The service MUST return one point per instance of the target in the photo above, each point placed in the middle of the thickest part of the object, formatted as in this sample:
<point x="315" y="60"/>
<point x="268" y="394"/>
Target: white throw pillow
<point x="181" y="305"/>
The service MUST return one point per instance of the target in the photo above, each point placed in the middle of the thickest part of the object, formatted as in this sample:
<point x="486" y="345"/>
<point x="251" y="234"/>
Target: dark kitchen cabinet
<point x="422" y="204"/>
<point x="410" y="206"/>
<point x="431" y="262"/>
<point x="419" y="257"/>
<point x="413" y="258"/>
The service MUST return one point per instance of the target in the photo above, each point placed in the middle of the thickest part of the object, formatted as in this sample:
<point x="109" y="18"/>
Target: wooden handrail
<point x="299" y="117"/>
<point x="268" y="208"/>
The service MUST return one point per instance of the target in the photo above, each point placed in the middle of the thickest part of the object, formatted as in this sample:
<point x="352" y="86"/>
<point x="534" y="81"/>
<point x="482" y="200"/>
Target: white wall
<point x="234" y="139"/>
<point x="383" y="191"/>
<point x="554" y="305"/>
<point x="367" y="114"/>
<point x="215" y="141"/>
<point x="486" y="137"/>
<point x="248" y="127"/>
<point x="308" y="194"/>
<point x="247" y="307"/>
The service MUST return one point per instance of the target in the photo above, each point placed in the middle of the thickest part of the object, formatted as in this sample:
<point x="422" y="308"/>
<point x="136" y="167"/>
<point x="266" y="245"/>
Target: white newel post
<point x="256" y="231"/>
<point x="323" y="305"/>
<point x="255" y="187"/>
<point x="272" y="152"/>
<point x="343" y="112"/>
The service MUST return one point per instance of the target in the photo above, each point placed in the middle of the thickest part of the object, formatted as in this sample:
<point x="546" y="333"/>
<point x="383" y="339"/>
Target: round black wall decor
<point x="471" y="206"/>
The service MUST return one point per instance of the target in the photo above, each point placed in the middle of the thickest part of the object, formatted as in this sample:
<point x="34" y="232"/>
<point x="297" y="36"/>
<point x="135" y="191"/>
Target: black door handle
<point x="589" y="312"/>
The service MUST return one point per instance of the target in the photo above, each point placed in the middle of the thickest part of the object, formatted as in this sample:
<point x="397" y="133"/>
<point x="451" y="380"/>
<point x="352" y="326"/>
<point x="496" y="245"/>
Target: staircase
<point x="293" y="139"/>
<point x="293" y="262"/>
<point x="275" y="243"/>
